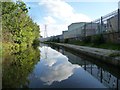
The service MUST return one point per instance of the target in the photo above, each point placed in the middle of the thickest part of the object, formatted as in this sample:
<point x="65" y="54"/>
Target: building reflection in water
<point x="99" y="73"/>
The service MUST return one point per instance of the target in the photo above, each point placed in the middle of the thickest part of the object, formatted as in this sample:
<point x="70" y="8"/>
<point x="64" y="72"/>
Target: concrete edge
<point x="106" y="59"/>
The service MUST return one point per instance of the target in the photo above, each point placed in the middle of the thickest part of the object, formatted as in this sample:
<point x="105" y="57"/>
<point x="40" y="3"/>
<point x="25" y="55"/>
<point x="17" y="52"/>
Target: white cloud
<point x="56" y="66"/>
<point x="59" y="15"/>
<point x="49" y="20"/>
<point x="58" y="8"/>
<point x="77" y="17"/>
<point x="70" y="0"/>
<point x="53" y="29"/>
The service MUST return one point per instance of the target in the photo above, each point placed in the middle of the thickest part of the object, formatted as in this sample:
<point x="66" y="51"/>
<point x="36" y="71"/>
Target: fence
<point x="108" y="26"/>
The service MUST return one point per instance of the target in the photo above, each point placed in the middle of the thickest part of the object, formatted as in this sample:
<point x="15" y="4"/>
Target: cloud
<point x="53" y="29"/>
<point x="56" y="66"/>
<point x="58" y="8"/>
<point x="49" y="20"/>
<point x="70" y="0"/>
<point x="59" y="15"/>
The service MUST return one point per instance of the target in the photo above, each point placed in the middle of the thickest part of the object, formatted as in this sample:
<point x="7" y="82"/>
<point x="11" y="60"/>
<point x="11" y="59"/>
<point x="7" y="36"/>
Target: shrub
<point x="98" y="39"/>
<point x="66" y="40"/>
<point x="87" y="39"/>
<point x="36" y="43"/>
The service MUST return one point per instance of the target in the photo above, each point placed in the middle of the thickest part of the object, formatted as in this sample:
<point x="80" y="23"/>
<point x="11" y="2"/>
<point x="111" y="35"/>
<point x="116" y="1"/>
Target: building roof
<point x="76" y="23"/>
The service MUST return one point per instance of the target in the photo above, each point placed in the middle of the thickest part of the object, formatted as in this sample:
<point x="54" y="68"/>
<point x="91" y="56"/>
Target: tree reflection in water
<point x="17" y="67"/>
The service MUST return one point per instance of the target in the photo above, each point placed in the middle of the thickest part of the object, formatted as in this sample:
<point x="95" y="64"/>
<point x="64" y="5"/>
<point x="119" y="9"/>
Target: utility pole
<point x="45" y="37"/>
<point x="118" y="20"/>
<point x="101" y="27"/>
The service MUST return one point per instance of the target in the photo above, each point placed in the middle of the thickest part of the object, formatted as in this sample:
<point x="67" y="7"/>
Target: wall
<point x="89" y="29"/>
<point x="112" y="37"/>
<point x="65" y="34"/>
<point x="112" y="24"/>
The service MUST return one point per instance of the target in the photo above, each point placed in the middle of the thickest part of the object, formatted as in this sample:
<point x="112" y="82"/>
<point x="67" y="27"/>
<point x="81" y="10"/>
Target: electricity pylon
<point x="45" y="37"/>
<point x="45" y="32"/>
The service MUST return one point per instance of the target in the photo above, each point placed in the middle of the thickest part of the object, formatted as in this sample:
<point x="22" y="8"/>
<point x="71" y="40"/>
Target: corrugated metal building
<point x="65" y="34"/>
<point x="90" y="29"/>
<point x="112" y="24"/>
<point x="80" y="29"/>
<point x="74" y="30"/>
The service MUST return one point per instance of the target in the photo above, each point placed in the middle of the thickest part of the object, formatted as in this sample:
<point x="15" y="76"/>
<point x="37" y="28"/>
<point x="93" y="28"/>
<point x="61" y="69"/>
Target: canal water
<point x="57" y="67"/>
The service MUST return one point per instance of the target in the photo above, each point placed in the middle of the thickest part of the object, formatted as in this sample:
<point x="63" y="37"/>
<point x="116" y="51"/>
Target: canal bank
<point x="108" y="56"/>
<point x="57" y="67"/>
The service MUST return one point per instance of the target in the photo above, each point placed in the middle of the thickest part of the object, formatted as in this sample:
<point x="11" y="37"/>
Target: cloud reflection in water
<point x="56" y="66"/>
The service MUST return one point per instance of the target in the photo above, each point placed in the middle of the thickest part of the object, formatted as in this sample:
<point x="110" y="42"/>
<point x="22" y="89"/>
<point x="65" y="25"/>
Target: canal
<point x="57" y="67"/>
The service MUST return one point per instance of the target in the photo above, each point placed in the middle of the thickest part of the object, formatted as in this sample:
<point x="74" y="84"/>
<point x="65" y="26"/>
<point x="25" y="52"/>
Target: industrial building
<point x="65" y="34"/>
<point x="80" y="29"/>
<point x="112" y="24"/>
<point x="74" y="30"/>
<point x="89" y="29"/>
<point x="108" y="26"/>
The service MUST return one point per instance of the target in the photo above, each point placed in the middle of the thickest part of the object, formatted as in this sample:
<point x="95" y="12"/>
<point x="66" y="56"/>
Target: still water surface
<point x="59" y="68"/>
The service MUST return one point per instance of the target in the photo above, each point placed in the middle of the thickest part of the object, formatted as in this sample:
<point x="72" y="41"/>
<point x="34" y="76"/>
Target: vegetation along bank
<point x="19" y="31"/>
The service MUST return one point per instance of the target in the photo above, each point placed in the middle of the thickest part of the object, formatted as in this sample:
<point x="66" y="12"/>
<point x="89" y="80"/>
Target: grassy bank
<point x="111" y="46"/>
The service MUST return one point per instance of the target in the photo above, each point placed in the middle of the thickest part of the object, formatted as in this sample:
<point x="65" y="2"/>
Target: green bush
<point x="87" y="39"/>
<point x="97" y="39"/>
<point x="36" y="43"/>
<point x="66" y="40"/>
<point x="18" y="29"/>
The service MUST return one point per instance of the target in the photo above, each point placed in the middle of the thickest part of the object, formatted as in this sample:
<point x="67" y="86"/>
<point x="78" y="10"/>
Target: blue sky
<point x="94" y="9"/>
<point x="59" y="14"/>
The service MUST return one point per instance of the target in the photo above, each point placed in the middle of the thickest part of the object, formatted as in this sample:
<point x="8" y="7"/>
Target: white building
<point x="74" y="30"/>
<point x="112" y="24"/>
<point x="65" y="34"/>
<point x="89" y="29"/>
<point x="80" y="29"/>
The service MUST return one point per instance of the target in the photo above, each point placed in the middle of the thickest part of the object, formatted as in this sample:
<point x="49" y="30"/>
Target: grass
<point x="114" y="55"/>
<point x="110" y="46"/>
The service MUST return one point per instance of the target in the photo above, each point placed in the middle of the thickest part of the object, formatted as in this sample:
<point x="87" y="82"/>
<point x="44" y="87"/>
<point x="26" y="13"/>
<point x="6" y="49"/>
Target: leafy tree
<point x="18" y="28"/>
<point x="19" y="34"/>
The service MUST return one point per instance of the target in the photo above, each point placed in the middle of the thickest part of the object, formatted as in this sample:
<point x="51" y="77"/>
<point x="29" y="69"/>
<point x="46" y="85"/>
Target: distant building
<point x="59" y="38"/>
<point x="65" y="34"/>
<point x="73" y="26"/>
<point x="74" y="30"/>
<point x="45" y="39"/>
<point x="80" y="29"/>
<point x="89" y="29"/>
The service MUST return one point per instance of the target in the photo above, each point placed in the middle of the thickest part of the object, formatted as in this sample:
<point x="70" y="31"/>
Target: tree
<point x="18" y="28"/>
